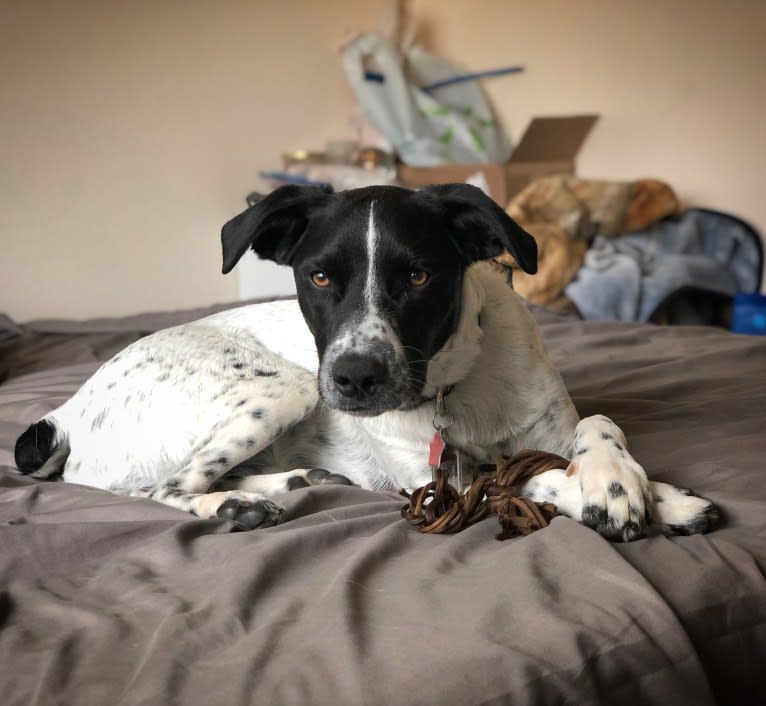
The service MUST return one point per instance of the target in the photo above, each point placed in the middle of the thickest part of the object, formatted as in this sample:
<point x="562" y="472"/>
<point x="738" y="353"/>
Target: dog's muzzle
<point x="358" y="377"/>
<point x="366" y="384"/>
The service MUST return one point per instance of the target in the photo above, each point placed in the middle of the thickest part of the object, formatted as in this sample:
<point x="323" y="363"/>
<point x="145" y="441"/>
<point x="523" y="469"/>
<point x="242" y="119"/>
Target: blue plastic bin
<point x="749" y="315"/>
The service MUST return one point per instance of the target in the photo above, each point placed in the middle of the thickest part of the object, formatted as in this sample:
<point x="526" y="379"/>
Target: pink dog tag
<point x="435" y="450"/>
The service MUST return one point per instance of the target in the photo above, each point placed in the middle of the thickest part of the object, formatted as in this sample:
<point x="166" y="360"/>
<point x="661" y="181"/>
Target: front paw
<point x="616" y="501"/>
<point x="615" y="497"/>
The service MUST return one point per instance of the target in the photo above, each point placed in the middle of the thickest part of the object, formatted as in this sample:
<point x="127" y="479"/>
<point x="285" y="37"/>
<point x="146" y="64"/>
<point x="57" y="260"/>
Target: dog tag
<point x="436" y="449"/>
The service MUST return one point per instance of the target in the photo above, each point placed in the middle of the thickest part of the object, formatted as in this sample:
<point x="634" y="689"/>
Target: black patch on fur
<point x="257" y="413"/>
<point x="606" y="436"/>
<point x="699" y="524"/>
<point x="296" y="482"/>
<point x="616" y="490"/>
<point x="238" y="365"/>
<point x="610" y="529"/>
<point x="257" y="372"/>
<point x="163" y="377"/>
<point x="173" y="483"/>
<point x="593" y="515"/>
<point x="222" y="460"/>
<point x="581" y="450"/>
<point x="35" y="446"/>
<point x="241" y="402"/>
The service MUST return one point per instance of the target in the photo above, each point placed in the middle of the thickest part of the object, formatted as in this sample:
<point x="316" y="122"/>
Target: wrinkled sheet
<point x="121" y="601"/>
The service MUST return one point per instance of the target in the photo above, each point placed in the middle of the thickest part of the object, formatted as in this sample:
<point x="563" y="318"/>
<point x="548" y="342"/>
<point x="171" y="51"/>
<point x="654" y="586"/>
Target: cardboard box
<point x="548" y="146"/>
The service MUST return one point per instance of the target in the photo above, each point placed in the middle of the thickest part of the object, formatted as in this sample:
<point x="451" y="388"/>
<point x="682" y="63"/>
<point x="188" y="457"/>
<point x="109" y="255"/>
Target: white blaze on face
<point x="370" y="283"/>
<point x="372" y="325"/>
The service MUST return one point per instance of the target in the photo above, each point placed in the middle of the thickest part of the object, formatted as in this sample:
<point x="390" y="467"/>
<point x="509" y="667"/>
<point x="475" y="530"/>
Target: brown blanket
<point x="564" y="213"/>
<point x="122" y="601"/>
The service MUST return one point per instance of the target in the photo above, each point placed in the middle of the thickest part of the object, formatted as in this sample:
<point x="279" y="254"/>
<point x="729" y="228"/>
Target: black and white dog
<point x="399" y="305"/>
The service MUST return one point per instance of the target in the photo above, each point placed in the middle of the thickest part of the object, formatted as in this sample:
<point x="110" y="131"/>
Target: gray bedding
<point x="121" y="601"/>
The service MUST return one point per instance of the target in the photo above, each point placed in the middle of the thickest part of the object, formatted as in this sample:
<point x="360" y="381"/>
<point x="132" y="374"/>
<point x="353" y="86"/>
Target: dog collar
<point x="440" y="455"/>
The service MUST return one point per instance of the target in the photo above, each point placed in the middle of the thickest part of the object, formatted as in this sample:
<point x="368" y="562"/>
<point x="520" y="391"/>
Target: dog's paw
<point x="248" y="510"/>
<point x="252" y="515"/>
<point x="679" y="511"/>
<point x="304" y="477"/>
<point x="616" y="501"/>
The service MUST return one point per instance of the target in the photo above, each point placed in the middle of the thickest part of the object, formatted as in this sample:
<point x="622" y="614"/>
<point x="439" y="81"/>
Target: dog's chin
<point x="372" y="408"/>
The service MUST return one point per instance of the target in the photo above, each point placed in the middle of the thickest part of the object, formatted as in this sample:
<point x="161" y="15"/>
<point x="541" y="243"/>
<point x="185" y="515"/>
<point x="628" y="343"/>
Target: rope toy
<point x="438" y="508"/>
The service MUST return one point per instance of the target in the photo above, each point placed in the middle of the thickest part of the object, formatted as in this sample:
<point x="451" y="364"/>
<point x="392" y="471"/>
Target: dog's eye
<point x="320" y="279"/>
<point x="418" y="278"/>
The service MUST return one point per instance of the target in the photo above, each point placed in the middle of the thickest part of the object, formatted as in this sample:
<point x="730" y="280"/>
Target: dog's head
<point x="379" y="274"/>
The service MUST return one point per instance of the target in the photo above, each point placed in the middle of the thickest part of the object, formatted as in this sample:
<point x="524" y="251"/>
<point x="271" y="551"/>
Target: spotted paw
<point x="305" y="477"/>
<point x="251" y="515"/>
<point x="615" y="491"/>
<point x="679" y="511"/>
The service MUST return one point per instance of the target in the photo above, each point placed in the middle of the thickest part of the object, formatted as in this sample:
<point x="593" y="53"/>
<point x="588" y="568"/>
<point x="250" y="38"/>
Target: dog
<point x="397" y="307"/>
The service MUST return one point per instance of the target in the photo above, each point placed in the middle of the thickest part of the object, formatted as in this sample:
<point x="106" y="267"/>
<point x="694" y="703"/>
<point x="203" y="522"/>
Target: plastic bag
<point x="427" y="124"/>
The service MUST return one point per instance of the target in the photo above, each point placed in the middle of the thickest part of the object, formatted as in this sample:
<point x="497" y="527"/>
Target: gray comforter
<point x="121" y="601"/>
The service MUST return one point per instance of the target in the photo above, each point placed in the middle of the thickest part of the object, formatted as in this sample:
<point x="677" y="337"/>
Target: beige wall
<point x="131" y="130"/>
<point x="680" y="84"/>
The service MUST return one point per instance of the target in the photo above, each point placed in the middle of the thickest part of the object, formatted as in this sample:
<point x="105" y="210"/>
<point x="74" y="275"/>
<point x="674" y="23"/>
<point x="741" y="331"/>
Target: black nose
<point x="358" y="376"/>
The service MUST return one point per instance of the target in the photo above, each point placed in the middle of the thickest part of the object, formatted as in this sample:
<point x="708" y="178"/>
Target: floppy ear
<point x="273" y="226"/>
<point x="480" y="228"/>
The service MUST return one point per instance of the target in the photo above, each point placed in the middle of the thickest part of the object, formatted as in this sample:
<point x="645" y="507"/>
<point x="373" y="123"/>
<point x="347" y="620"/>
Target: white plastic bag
<point x="450" y="124"/>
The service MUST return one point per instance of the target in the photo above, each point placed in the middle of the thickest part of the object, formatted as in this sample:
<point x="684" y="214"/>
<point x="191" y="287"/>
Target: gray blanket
<point x="110" y="600"/>
<point x="628" y="277"/>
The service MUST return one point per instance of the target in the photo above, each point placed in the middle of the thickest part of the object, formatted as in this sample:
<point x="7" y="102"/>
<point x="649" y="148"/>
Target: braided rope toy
<point x="438" y="508"/>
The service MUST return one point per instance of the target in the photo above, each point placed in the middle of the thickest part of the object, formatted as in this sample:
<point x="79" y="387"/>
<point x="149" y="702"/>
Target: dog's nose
<point x="358" y="376"/>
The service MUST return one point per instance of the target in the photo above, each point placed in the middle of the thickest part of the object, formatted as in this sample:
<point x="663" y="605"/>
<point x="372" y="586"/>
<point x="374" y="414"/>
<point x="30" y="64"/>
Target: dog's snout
<point x="358" y="376"/>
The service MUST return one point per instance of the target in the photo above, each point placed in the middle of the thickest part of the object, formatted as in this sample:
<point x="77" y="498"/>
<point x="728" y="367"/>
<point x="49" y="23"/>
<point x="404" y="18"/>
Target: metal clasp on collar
<point x="443" y="420"/>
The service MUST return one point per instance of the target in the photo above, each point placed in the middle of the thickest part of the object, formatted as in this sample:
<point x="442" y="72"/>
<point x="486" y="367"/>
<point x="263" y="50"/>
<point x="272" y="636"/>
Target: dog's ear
<point x="272" y="226"/>
<point x="480" y="228"/>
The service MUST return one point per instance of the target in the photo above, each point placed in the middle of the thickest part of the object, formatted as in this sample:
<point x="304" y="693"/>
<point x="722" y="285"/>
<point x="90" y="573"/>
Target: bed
<point x="121" y="601"/>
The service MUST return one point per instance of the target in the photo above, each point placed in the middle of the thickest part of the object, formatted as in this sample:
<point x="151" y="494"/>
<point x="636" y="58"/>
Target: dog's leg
<point x="679" y="511"/>
<point x="609" y="491"/>
<point x="273" y="483"/>
<point x="676" y="510"/>
<point x="615" y="489"/>
<point x="230" y="443"/>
